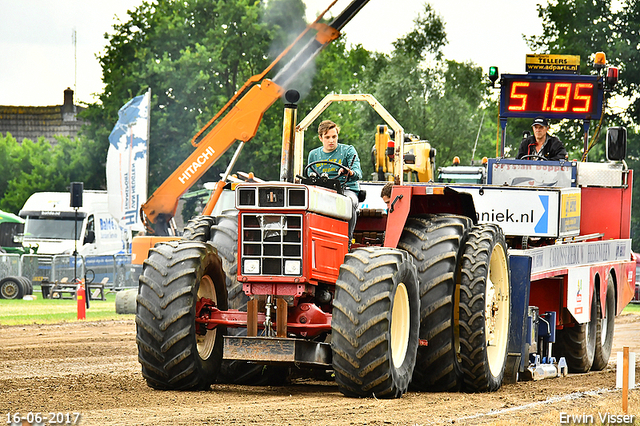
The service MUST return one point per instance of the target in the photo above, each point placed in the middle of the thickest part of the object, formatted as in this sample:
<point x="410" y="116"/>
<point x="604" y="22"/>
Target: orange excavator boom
<point x="240" y="123"/>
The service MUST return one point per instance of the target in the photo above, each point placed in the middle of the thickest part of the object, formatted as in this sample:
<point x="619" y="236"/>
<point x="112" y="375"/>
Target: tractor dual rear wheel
<point x="375" y="323"/>
<point x="484" y="309"/>
<point x="175" y="353"/>
<point x="434" y="242"/>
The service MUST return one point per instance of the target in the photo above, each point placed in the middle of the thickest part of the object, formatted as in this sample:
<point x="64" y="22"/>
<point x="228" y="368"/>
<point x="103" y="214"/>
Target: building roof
<point x="32" y="122"/>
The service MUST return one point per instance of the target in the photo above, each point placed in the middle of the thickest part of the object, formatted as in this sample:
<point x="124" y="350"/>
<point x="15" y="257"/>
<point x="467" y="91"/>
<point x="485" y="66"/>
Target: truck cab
<point x="56" y="228"/>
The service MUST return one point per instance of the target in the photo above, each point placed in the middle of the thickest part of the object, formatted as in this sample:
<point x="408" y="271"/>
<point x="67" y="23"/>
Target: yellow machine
<point x="419" y="157"/>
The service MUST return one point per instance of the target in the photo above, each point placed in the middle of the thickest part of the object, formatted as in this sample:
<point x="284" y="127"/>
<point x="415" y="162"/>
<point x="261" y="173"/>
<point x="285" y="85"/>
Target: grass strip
<point x="52" y="311"/>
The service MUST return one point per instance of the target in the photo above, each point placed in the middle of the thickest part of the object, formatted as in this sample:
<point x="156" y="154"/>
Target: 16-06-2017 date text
<point x="45" y="419"/>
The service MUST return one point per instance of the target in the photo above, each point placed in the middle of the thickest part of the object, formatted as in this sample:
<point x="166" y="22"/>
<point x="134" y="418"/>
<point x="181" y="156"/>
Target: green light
<point x="493" y="75"/>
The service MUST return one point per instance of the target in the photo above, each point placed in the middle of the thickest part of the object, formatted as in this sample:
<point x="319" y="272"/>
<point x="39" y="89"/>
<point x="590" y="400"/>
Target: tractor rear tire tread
<point x="198" y="229"/>
<point x="434" y="242"/>
<point x="224" y="236"/>
<point x="28" y="286"/>
<point x="475" y="270"/>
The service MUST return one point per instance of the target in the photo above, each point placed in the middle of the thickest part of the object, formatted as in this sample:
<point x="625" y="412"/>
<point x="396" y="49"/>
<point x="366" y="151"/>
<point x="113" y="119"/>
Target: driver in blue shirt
<point x="339" y="153"/>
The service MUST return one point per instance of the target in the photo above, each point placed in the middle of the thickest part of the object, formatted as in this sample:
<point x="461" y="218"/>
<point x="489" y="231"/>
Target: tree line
<point x="195" y="55"/>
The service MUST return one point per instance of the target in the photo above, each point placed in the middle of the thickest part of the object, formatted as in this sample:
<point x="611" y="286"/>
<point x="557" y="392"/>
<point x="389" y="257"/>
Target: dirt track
<point x="92" y="368"/>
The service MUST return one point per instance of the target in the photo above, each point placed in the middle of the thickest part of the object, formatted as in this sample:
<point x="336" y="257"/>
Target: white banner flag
<point x="127" y="162"/>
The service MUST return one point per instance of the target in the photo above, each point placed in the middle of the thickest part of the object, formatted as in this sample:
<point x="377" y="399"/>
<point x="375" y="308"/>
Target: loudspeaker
<point x="76" y="194"/>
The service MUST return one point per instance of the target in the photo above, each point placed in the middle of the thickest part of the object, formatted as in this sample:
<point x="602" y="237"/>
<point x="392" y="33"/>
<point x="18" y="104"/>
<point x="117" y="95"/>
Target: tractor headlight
<point x="251" y="266"/>
<point x="292" y="267"/>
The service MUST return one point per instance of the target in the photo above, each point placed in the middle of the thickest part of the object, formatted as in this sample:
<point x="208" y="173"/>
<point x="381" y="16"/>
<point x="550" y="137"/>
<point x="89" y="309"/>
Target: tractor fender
<point x="413" y="200"/>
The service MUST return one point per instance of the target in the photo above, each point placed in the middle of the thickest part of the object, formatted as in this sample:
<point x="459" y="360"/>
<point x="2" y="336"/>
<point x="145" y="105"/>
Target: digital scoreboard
<point x="551" y="96"/>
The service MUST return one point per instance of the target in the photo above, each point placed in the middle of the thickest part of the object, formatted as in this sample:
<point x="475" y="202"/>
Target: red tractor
<point x="275" y="284"/>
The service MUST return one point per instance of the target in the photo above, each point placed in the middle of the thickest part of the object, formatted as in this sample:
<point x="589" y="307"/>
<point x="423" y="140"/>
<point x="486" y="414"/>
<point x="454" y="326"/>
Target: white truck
<point x="50" y="225"/>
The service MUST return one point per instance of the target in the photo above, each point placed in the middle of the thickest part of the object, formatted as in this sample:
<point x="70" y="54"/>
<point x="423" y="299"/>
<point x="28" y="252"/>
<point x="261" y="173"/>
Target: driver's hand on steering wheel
<point x="343" y="171"/>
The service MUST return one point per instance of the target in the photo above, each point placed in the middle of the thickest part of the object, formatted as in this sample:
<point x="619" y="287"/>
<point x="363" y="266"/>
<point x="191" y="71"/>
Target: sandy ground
<point x="92" y="369"/>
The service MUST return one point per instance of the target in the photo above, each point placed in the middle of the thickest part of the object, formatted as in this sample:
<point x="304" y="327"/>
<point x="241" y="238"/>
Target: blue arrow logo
<point x="543" y="224"/>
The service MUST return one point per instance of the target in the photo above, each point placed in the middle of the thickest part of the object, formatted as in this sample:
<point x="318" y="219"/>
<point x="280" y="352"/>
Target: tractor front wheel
<point x="375" y="323"/>
<point x="484" y="309"/>
<point x="175" y="352"/>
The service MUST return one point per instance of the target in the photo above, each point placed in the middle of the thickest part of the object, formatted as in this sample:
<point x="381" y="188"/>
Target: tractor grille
<point x="271" y="244"/>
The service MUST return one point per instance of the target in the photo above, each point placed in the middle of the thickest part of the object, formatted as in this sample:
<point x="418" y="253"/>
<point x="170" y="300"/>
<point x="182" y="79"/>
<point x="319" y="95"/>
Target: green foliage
<point x="194" y="56"/>
<point x="428" y="36"/>
<point x="37" y="166"/>
<point x="584" y="27"/>
<point x="443" y="103"/>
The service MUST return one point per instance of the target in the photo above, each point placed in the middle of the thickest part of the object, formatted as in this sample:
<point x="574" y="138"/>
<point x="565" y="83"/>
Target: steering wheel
<point x="324" y="181"/>
<point x="305" y="172"/>
<point x="535" y="156"/>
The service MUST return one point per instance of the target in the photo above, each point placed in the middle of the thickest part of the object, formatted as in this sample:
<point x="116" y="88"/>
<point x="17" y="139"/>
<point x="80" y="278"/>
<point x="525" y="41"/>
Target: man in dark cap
<point x="541" y="145"/>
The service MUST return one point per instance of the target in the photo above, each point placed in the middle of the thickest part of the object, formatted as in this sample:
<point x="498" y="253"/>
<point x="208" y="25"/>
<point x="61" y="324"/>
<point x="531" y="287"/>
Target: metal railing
<point x="115" y="271"/>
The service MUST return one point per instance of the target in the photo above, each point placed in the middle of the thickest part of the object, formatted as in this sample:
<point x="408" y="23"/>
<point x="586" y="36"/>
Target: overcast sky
<point x="37" y="53"/>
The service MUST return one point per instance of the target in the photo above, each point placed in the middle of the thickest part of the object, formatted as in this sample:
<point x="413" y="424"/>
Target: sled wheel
<point x="604" y="329"/>
<point x="11" y="288"/>
<point x="485" y="309"/>
<point x="578" y="343"/>
<point x="434" y="242"/>
<point x="175" y="353"/>
<point x="375" y="323"/>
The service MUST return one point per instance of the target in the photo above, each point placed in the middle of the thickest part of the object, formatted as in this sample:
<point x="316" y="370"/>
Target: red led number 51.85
<point x="551" y="97"/>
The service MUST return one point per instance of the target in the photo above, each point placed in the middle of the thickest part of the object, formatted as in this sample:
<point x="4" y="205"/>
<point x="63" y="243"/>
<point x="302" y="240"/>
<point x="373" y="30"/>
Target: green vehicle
<point x="11" y="230"/>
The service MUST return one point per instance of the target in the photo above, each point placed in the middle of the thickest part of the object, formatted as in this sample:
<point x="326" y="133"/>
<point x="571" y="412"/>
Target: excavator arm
<point x="240" y="123"/>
